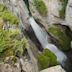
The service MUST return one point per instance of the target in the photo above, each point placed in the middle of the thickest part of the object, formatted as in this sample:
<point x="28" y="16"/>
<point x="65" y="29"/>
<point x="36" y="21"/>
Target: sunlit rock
<point x="54" y="69"/>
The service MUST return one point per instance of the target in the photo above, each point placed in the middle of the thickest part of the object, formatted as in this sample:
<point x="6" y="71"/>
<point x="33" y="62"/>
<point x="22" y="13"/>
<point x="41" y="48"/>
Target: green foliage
<point x="11" y="41"/>
<point x="41" y="7"/>
<point x="6" y="15"/>
<point x="52" y="57"/>
<point x="1" y="23"/>
<point x="46" y="59"/>
<point x="63" y="9"/>
<point x="9" y="44"/>
<point x="60" y="34"/>
<point x="2" y="7"/>
<point x="14" y="33"/>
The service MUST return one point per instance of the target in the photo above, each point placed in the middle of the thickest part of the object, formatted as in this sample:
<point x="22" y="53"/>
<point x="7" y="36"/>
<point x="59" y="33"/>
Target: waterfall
<point x="42" y="36"/>
<point x="43" y="39"/>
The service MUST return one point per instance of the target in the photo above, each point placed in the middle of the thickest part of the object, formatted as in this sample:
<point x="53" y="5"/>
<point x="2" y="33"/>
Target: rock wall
<point x="68" y="18"/>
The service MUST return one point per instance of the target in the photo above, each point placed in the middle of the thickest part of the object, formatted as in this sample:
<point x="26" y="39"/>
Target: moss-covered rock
<point x="47" y="59"/>
<point x="41" y="7"/>
<point x="63" y="9"/>
<point x="51" y="56"/>
<point x="6" y="15"/>
<point x="43" y="61"/>
<point x="60" y="34"/>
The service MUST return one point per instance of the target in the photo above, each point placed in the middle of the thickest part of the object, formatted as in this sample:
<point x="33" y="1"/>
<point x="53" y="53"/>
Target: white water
<point x="43" y="38"/>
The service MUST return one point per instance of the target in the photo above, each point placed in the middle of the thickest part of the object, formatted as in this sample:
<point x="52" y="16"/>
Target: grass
<point x="8" y="16"/>
<point x="10" y="39"/>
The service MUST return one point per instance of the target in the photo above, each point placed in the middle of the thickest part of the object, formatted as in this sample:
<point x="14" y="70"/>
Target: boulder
<point x="9" y="68"/>
<point x="54" y="69"/>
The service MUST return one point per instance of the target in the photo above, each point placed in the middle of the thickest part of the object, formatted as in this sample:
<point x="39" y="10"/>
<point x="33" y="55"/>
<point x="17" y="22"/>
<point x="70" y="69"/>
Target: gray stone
<point x="68" y="18"/>
<point x="54" y="69"/>
<point x="9" y="68"/>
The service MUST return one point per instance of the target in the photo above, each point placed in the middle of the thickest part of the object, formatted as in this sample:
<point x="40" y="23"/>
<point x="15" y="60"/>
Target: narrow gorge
<point x="35" y="36"/>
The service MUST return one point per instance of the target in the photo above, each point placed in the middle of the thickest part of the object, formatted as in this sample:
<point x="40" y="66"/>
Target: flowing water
<point x="42" y="36"/>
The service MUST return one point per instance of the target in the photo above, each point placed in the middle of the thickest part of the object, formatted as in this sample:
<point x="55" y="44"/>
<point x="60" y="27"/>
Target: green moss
<point x="41" y="7"/>
<point x="43" y="61"/>
<point x="2" y="7"/>
<point x="6" y="15"/>
<point x="60" y="34"/>
<point x="51" y="56"/>
<point x="46" y="59"/>
<point x="63" y="9"/>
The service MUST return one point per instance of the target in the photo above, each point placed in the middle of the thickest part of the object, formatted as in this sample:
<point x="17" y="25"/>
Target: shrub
<point x="41" y="7"/>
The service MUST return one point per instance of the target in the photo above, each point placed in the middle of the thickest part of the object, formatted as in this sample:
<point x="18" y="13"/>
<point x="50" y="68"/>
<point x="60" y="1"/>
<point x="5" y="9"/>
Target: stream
<point x="42" y="37"/>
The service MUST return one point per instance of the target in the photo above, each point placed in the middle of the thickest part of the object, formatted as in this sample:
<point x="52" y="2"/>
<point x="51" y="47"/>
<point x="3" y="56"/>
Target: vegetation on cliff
<point x="63" y="9"/>
<point x="6" y="15"/>
<point x="11" y="40"/>
<point x="47" y="59"/>
<point x="61" y="35"/>
<point x="41" y="7"/>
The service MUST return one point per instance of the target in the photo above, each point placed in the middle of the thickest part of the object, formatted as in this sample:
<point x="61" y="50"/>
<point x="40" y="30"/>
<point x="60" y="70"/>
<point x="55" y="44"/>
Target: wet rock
<point x="61" y="36"/>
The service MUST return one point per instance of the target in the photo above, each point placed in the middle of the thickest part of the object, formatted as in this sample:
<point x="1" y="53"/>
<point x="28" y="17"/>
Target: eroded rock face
<point x="61" y="36"/>
<point x="37" y="15"/>
<point x="54" y="69"/>
<point x="53" y="7"/>
<point x="9" y="68"/>
<point x="69" y="14"/>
